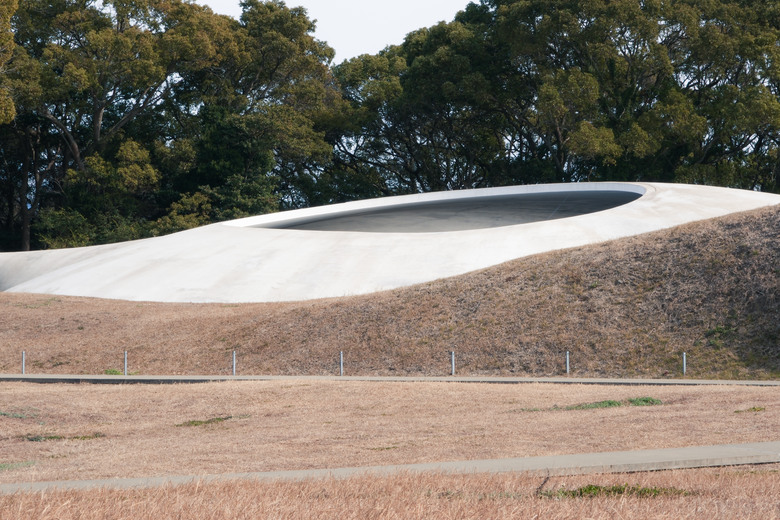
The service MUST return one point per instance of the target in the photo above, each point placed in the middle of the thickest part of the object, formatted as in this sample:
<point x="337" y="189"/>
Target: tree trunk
<point x="25" y="224"/>
<point x="28" y="168"/>
<point x="24" y="210"/>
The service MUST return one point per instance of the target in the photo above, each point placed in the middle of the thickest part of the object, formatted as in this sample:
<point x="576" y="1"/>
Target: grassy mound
<point x="623" y="308"/>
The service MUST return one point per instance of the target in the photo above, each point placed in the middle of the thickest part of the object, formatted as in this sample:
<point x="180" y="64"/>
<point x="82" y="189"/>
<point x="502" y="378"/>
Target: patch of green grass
<point x="717" y="336"/>
<point x="593" y="490"/>
<point x="598" y="404"/>
<point x="720" y="331"/>
<point x="610" y="403"/>
<point x="754" y="409"/>
<point x="42" y="438"/>
<point x="13" y="415"/>
<point x="213" y="420"/>
<point x="8" y="466"/>
<point x="113" y="372"/>
<point x="644" y="401"/>
<point x="447" y="494"/>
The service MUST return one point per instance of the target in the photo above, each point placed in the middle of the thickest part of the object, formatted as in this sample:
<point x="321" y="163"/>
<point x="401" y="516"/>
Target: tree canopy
<point x="130" y="118"/>
<point x="570" y="90"/>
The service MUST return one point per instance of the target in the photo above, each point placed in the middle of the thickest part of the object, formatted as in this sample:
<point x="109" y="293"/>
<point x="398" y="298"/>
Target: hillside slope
<point x="629" y="307"/>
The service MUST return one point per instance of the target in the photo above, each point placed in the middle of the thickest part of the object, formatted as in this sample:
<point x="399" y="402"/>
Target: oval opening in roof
<point x="462" y="214"/>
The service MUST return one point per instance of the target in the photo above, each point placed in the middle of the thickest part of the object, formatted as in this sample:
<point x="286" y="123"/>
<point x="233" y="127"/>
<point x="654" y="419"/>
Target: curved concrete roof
<point x="367" y="246"/>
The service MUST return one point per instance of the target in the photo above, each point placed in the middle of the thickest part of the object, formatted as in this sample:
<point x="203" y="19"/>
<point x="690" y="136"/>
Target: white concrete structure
<point x="366" y="246"/>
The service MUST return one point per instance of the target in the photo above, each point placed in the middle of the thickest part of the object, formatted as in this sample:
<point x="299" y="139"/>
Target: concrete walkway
<point x="157" y="380"/>
<point x="581" y="464"/>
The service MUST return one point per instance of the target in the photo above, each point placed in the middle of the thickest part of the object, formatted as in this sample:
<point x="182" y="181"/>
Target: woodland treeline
<point x="134" y="118"/>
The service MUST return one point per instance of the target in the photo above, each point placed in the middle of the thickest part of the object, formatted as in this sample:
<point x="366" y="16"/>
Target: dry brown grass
<point x="743" y="493"/>
<point x="280" y="425"/>
<point x="623" y="308"/>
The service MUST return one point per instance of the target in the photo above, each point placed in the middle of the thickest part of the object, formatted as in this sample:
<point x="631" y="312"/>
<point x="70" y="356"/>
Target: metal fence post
<point x="125" y="363"/>
<point x="341" y="363"/>
<point x="234" y="362"/>
<point x="452" y="361"/>
<point x="685" y="363"/>
<point x="24" y="355"/>
<point x="567" y="362"/>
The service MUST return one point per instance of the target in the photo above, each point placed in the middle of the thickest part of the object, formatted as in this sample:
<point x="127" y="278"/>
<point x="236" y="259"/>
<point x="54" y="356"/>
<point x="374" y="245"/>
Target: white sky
<point x="354" y="27"/>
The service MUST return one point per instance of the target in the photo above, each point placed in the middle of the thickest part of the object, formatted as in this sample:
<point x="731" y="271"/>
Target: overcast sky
<point x="354" y="27"/>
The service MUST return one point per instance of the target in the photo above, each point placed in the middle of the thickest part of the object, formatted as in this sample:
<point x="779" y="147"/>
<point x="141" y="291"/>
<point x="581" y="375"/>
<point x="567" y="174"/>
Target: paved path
<point x="104" y="379"/>
<point x="581" y="464"/>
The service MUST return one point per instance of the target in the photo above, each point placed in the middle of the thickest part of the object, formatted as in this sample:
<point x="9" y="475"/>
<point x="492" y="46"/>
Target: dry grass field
<point x="74" y="432"/>
<point x="744" y="493"/>
<point x="57" y="432"/>
<point x="624" y="308"/>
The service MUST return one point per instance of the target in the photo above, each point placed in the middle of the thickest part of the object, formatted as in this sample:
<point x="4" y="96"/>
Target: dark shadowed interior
<point x="466" y="214"/>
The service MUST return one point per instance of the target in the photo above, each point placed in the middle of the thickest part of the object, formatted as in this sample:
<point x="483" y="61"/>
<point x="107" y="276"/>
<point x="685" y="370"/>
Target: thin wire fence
<point x="567" y="364"/>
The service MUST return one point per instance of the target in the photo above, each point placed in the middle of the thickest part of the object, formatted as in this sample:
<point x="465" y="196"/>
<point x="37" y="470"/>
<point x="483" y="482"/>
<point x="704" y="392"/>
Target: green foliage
<point x="121" y="120"/>
<point x="719" y="336"/>
<point x="753" y="409"/>
<point x="595" y="490"/>
<point x="566" y="91"/>
<point x="113" y="372"/>
<point x="7" y="107"/>
<point x="43" y="438"/>
<point x="609" y="403"/>
<point x="13" y="415"/>
<point x="9" y="466"/>
<point x="590" y="142"/>
<point x="599" y="404"/>
<point x="155" y="116"/>
<point x="59" y="228"/>
<point x="644" y="401"/>
<point x="240" y="197"/>
<point x="191" y="210"/>
<point x="213" y="420"/>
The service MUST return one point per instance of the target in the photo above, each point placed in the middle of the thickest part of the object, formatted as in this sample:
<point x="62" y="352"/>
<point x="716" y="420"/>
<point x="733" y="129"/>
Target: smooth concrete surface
<point x="264" y="258"/>
<point x="575" y="464"/>
<point x="165" y="379"/>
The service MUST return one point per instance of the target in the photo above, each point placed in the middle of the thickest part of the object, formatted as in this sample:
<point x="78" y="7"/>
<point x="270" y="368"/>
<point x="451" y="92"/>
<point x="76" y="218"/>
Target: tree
<point x="83" y="73"/>
<point x="147" y="106"/>
<point x="421" y="105"/>
<point x="262" y="113"/>
<point x="138" y="117"/>
<point x="7" y="9"/>
<point x="568" y="90"/>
